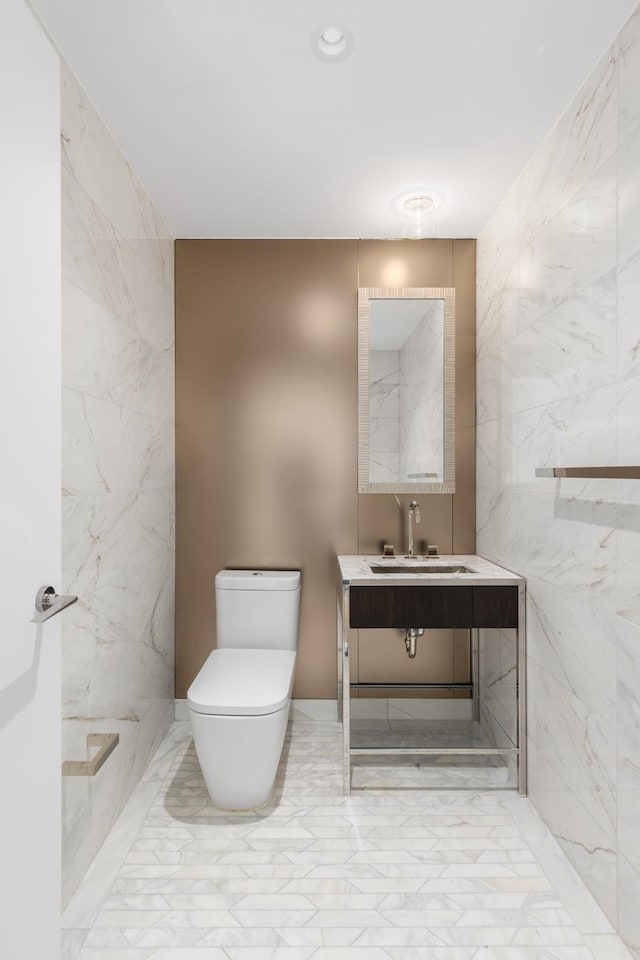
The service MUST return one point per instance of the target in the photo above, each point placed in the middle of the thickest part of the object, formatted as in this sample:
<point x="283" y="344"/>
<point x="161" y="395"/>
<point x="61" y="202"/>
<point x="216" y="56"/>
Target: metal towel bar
<point x="88" y="768"/>
<point x="48" y="603"/>
<point x="595" y="473"/>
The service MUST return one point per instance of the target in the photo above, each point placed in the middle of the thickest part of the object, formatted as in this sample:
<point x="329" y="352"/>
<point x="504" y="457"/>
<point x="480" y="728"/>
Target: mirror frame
<point x="365" y="296"/>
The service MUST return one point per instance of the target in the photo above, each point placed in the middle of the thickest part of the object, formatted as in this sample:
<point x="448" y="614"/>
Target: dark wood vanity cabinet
<point x="495" y="607"/>
<point x="433" y="607"/>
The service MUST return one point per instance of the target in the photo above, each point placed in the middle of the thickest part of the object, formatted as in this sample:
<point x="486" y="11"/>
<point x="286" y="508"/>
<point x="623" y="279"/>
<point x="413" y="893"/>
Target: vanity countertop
<point x="356" y="570"/>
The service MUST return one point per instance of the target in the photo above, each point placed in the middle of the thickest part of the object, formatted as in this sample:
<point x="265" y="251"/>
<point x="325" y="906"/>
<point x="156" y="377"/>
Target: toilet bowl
<point x="239" y="701"/>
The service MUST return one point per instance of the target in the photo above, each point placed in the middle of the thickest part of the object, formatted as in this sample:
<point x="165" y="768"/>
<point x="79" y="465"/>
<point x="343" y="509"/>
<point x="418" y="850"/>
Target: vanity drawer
<point x="402" y="606"/>
<point x="495" y="607"/>
<point x="433" y="607"/>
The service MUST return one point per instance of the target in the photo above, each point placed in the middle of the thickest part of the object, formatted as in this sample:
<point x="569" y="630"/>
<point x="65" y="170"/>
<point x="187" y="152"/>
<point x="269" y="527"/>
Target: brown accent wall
<point x="266" y="404"/>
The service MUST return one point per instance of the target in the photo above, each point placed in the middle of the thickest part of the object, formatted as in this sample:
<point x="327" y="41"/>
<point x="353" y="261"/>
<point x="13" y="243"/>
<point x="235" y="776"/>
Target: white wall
<point x="559" y="384"/>
<point x="30" y="483"/>
<point x="117" y="473"/>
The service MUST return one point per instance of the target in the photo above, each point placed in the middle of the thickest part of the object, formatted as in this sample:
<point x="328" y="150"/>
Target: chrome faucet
<point x="414" y="514"/>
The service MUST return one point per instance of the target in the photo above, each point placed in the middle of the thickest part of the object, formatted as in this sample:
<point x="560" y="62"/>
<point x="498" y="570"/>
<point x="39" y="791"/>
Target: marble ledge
<point x="356" y="570"/>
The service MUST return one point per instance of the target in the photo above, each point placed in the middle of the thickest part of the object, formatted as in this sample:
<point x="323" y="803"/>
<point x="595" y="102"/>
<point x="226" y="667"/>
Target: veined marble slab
<point x="559" y="384"/>
<point x="422" y="397"/>
<point x="118" y="474"/>
<point x="629" y="79"/>
<point x="357" y="570"/>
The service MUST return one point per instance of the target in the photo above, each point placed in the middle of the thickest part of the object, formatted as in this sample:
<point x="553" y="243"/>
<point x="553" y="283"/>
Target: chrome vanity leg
<point x="346" y="697"/>
<point x="521" y="640"/>
<point x="475" y="673"/>
<point x="339" y="645"/>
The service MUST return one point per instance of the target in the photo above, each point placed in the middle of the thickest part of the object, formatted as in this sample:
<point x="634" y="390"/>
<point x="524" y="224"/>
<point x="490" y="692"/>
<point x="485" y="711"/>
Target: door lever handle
<point x="48" y="603"/>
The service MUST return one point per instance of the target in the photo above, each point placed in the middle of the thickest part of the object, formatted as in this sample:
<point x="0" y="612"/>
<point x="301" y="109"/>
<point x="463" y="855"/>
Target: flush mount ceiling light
<point x="416" y="210"/>
<point x="333" y="41"/>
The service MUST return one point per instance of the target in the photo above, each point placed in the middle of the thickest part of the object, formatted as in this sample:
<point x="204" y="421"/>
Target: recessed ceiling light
<point x="332" y="36"/>
<point x="332" y="41"/>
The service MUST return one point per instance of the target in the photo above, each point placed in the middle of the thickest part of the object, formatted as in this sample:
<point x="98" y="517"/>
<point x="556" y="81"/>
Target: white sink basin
<point x="435" y="568"/>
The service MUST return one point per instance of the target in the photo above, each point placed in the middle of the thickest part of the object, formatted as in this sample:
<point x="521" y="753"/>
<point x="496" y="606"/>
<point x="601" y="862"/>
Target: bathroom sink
<point x="419" y="568"/>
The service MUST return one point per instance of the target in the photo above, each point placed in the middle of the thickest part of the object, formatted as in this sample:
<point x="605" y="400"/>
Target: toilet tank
<point x="258" y="609"/>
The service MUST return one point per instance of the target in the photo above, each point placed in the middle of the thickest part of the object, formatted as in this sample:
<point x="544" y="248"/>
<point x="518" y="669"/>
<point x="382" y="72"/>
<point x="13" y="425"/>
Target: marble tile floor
<point x="381" y="875"/>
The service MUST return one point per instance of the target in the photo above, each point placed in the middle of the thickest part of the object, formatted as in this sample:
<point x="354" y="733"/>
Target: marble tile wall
<point x="384" y="416"/>
<point x="118" y="474"/>
<point x="559" y="384"/>
<point x="421" y="398"/>
<point x="406" y="425"/>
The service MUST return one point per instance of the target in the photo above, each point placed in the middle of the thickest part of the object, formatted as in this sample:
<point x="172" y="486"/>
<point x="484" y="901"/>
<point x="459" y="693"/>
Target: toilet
<point x="239" y="701"/>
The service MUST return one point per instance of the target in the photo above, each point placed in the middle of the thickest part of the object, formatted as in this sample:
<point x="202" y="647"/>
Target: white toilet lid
<point x="240" y="682"/>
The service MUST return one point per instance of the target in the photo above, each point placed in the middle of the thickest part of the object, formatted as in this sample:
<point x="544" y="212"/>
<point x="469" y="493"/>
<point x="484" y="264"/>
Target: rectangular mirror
<point x="406" y="390"/>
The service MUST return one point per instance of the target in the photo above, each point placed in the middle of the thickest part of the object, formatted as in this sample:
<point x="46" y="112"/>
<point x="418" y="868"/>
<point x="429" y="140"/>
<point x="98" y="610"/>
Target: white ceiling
<point x="237" y="130"/>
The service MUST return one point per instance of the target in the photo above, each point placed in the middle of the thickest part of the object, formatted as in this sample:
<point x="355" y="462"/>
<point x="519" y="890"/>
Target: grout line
<point x="115" y="403"/>
<point x="586" y="914"/>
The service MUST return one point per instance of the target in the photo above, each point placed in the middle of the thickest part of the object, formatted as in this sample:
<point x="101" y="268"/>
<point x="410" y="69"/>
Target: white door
<point x="30" y="376"/>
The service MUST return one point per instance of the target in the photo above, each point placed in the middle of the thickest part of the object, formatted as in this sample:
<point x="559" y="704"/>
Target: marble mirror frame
<point x="365" y="296"/>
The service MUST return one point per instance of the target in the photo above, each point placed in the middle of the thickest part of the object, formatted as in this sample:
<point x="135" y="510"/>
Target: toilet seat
<point x="243" y="682"/>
